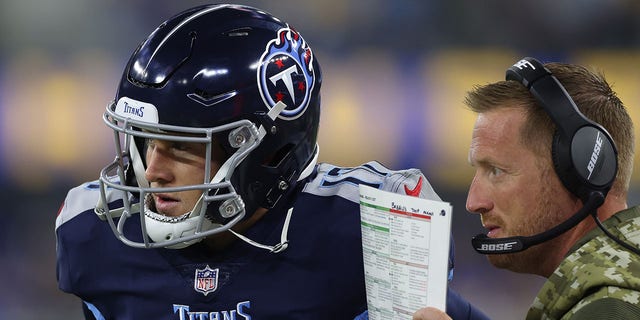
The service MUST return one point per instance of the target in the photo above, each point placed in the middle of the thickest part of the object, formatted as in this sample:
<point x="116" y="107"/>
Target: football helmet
<point x="234" y="78"/>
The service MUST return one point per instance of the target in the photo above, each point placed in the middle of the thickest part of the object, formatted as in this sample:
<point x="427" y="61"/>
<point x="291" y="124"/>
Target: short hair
<point x="592" y="94"/>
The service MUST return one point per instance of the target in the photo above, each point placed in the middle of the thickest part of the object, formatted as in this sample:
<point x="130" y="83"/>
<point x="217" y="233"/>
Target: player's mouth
<point x="166" y="204"/>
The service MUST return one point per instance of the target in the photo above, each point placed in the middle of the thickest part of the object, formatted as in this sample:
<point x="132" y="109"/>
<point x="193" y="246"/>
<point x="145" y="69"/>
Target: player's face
<point x="176" y="164"/>
<point x="515" y="191"/>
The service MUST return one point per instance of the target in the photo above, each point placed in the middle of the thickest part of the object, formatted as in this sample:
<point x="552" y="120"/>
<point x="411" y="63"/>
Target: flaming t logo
<point x="286" y="74"/>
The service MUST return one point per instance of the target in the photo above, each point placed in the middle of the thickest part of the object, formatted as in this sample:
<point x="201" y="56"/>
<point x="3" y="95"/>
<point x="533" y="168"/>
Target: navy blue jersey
<point x="319" y="276"/>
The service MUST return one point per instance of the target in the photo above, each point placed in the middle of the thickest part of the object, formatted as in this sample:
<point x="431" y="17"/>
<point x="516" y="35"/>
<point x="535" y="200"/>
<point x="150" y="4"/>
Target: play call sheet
<point x="405" y="242"/>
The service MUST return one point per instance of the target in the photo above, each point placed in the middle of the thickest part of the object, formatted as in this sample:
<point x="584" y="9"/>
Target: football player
<point x="215" y="197"/>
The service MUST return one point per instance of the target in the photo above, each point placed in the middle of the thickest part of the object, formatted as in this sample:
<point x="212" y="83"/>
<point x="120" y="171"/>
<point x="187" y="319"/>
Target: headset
<point x="584" y="156"/>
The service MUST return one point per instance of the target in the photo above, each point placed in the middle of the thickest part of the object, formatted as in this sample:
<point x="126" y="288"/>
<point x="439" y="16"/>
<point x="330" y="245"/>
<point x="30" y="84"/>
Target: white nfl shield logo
<point x="206" y="280"/>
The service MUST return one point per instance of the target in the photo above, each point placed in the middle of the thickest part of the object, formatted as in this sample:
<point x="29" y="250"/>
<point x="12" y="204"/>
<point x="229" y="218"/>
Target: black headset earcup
<point x="595" y="158"/>
<point x="562" y="162"/>
<point x="585" y="162"/>
<point x="584" y="154"/>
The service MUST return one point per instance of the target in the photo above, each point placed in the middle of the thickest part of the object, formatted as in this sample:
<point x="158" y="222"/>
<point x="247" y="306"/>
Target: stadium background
<point x="395" y="74"/>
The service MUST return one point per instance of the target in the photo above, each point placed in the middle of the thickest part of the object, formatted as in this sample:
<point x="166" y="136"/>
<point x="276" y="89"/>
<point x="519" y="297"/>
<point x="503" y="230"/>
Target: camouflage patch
<point x="599" y="268"/>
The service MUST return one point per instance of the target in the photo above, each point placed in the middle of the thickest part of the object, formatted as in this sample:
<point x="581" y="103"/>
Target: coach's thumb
<point x="430" y="313"/>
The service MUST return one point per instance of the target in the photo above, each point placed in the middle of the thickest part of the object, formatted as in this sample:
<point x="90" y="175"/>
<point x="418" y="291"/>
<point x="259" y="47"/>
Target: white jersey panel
<point x="332" y="180"/>
<point x="82" y="198"/>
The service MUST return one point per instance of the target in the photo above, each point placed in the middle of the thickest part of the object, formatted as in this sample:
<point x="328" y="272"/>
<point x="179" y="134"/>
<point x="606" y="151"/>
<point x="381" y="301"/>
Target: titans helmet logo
<point x="285" y="73"/>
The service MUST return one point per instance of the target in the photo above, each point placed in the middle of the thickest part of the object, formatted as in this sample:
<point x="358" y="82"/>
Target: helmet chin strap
<point x="284" y="242"/>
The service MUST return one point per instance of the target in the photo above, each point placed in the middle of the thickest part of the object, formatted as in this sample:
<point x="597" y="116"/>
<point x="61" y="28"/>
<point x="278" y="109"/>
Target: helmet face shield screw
<point x="230" y="208"/>
<point x="240" y="140"/>
<point x="239" y="137"/>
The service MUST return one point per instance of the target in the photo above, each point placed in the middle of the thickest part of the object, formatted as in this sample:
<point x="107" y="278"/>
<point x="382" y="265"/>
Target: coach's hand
<point x="430" y="313"/>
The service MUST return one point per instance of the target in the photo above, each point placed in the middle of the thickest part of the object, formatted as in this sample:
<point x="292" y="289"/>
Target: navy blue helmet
<point x="234" y="78"/>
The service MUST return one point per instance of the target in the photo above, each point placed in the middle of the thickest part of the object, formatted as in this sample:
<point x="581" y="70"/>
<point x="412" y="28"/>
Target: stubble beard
<point x="544" y="217"/>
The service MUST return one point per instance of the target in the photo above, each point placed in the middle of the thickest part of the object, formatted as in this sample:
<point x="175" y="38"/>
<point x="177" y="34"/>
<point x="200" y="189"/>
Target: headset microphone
<point x="485" y="245"/>
<point x="583" y="153"/>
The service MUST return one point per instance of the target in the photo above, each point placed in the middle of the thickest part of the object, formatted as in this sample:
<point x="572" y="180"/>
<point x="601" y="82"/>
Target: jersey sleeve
<point x="74" y="227"/>
<point x="77" y="201"/>
<point x="459" y="308"/>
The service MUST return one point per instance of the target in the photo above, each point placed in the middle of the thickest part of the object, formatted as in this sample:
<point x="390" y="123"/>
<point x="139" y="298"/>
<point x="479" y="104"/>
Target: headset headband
<point x="584" y="154"/>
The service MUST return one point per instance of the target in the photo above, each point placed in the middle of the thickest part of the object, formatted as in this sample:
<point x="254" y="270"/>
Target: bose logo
<point x="497" y="247"/>
<point x="524" y="64"/>
<point x="594" y="155"/>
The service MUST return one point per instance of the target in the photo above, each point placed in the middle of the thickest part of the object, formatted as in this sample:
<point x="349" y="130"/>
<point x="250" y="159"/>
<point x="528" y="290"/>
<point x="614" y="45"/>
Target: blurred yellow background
<point x="395" y="76"/>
